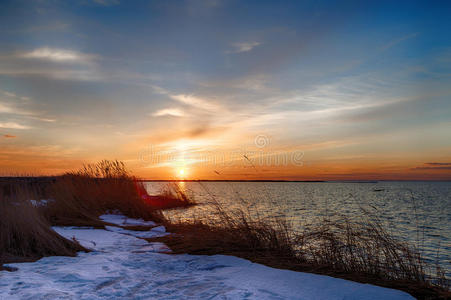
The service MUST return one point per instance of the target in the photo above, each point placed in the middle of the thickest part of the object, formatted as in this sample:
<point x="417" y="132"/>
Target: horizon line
<point x="250" y="180"/>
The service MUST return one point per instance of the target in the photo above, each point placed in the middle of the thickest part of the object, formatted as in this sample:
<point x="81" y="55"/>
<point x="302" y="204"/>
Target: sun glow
<point x="181" y="173"/>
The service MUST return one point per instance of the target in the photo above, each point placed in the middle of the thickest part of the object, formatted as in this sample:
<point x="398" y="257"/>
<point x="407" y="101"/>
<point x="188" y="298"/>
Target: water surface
<point x="419" y="212"/>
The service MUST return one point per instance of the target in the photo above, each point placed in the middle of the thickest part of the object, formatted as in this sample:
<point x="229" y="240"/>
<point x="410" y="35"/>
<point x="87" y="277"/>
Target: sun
<point x="181" y="173"/>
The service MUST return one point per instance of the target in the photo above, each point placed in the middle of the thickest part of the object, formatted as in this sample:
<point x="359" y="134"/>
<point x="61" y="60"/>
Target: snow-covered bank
<point x="123" y="266"/>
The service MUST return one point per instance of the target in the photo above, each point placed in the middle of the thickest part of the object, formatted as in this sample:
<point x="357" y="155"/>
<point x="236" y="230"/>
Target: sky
<point x="218" y="89"/>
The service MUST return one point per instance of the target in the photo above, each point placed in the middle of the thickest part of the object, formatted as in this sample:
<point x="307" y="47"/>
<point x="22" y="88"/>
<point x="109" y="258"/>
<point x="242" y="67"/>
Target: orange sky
<point x="227" y="90"/>
<point x="192" y="159"/>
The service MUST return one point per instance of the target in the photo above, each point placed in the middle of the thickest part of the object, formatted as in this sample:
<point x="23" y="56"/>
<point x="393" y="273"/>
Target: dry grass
<point x="80" y="197"/>
<point x="25" y="235"/>
<point x="358" y="250"/>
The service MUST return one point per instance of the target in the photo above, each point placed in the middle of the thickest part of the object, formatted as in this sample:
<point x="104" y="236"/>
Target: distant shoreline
<point x="51" y="178"/>
<point x="225" y="180"/>
<point x="276" y="180"/>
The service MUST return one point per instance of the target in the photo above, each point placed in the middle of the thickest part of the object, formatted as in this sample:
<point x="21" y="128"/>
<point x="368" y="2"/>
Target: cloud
<point x="17" y="107"/>
<point x="438" y="164"/>
<point x="159" y="90"/>
<point x="399" y="40"/>
<point x="435" y="166"/>
<point x="55" y="74"/>
<point x="57" y="55"/>
<point x="12" y="95"/>
<point x="174" y="112"/>
<point x="432" y="168"/>
<point x="106" y="2"/>
<point x="5" y="108"/>
<point x="195" y="102"/>
<point x="199" y="131"/>
<point x="244" y="47"/>
<point x="8" y="136"/>
<point x="13" y="125"/>
<point x="42" y="119"/>
<point x="8" y="108"/>
<point x="56" y="64"/>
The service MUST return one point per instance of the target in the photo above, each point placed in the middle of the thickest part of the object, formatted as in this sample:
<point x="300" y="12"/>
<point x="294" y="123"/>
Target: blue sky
<point x="361" y="88"/>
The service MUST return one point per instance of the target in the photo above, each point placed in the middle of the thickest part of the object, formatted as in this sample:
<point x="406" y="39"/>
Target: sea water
<point x="418" y="212"/>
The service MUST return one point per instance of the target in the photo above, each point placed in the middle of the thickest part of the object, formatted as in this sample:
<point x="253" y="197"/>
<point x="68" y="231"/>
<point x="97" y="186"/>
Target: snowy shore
<point x="124" y="266"/>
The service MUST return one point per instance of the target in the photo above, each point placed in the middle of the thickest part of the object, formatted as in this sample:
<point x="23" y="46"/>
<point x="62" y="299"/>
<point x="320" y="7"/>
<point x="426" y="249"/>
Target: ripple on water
<point x="419" y="212"/>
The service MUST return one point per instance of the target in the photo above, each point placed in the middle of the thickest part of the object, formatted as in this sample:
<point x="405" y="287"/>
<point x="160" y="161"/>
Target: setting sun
<point x="181" y="172"/>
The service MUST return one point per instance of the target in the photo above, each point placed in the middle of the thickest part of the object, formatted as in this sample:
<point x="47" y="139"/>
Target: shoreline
<point x="120" y="257"/>
<point x="79" y="198"/>
<point x="53" y="178"/>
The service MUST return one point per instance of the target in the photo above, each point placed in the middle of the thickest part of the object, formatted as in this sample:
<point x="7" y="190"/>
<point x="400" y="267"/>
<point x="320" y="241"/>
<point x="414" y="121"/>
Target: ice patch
<point x="153" y="233"/>
<point x="160" y="229"/>
<point x="125" y="267"/>
<point x="154" y="247"/>
<point x="125" y="221"/>
<point x="39" y="203"/>
<point x="99" y="239"/>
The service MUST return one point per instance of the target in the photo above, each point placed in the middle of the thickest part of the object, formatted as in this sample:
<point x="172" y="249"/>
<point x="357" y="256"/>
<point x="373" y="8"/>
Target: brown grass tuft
<point x="25" y="235"/>
<point x="80" y="197"/>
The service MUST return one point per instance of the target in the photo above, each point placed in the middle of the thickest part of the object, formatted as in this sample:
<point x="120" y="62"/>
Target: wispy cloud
<point x="51" y="26"/>
<point x="159" y="90"/>
<point x="13" y="109"/>
<point x="106" y="2"/>
<point x="12" y="95"/>
<point x="5" y="108"/>
<point x="435" y="166"/>
<point x="52" y="63"/>
<point x="42" y="119"/>
<point x="174" y="112"/>
<point x="57" y="55"/>
<point x="190" y="100"/>
<point x="196" y="102"/>
<point x="399" y="40"/>
<point x="244" y="47"/>
<point x="8" y="136"/>
<point x="13" y="104"/>
<point x="438" y="163"/>
<point x="55" y="74"/>
<point x="13" y="125"/>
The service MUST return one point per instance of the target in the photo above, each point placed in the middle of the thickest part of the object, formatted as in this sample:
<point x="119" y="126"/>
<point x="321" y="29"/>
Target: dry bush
<point x="24" y="233"/>
<point x="69" y="205"/>
<point x="251" y="241"/>
<point x="80" y="197"/>
<point x="362" y="247"/>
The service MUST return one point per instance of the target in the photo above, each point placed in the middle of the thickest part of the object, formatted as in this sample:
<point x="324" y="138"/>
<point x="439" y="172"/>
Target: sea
<point x="415" y="211"/>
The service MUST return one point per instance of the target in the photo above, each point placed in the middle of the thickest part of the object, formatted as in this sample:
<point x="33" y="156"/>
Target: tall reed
<point x="81" y="196"/>
<point x="24" y="233"/>
<point x="359" y="249"/>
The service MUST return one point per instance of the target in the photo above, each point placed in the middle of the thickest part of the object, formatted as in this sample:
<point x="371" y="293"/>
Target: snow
<point x="154" y="232"/>
<point x="124" y="221"/>
<point x="122" y="266"/>
<point x="42" y="202"/>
